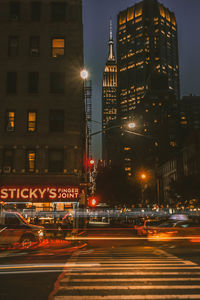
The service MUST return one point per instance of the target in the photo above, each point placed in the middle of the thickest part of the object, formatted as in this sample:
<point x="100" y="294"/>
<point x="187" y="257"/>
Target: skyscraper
<point x="146" y="44"/>
<point x="148" y="81"/>
<point x="109" y="99"/>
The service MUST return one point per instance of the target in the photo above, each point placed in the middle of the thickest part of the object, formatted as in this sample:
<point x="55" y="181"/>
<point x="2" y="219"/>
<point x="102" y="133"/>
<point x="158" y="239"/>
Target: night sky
<point x="96" y="16"/>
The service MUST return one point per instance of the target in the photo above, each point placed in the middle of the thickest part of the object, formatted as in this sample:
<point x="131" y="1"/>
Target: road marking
<point x="34" y="266"/>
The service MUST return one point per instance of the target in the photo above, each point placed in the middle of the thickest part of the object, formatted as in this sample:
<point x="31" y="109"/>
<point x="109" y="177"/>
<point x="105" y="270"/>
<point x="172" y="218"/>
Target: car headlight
<point x="40" y="233"/>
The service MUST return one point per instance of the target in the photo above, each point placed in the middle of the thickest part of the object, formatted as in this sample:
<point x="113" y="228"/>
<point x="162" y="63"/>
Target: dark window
<point x="34" y="46"/>
<point x="33" y="80"/>
<point x="11" y="82"/>
<point x="30" y="161"/>
<point x="8" y="156"/>
<point x="10" y="121"/>
<point x="35" y="11"/>
<point x="56" y="120"/>
<point x="13" y="46"/>
<point x="56" y="161"/>
<point x="57" y="82"/>
<point x="32" y="121"/>
<point x="14" y="11"/>
<point x="58" y="12"/>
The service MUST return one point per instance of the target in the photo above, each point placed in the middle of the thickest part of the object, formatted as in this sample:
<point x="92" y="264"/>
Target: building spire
<point x="111" y="56"/>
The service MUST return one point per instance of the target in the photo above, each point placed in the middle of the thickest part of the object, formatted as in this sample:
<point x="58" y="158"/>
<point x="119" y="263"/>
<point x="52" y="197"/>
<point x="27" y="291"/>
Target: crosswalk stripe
<point x="131" y="287"/>
<point x="132" y="273"/>
<point x="128" y="297"/>
<point x="133" y="279"/>
<point x="159" y="274"/>
<point x="142" y="266"/>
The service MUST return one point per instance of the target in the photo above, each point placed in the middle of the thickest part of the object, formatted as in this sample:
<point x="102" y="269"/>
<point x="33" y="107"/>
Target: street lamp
<point x="84" y="75"/>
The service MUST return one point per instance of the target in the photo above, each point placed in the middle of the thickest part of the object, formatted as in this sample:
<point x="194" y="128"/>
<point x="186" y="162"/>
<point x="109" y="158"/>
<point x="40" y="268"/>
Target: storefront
<point x="44" y="202"/>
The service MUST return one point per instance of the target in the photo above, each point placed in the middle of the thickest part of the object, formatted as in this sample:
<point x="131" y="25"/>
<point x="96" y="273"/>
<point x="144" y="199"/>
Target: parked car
<point x="15" y="229"/>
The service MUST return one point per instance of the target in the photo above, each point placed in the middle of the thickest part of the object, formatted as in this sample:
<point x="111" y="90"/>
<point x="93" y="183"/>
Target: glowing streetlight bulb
<point x="143" y="176"/>
<point x="131" y="125"/>
<point x="84" y="74"/>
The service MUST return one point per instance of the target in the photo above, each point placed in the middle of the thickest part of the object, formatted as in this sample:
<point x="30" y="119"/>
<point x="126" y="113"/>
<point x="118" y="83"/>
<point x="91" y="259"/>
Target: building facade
<point x="148" y="77"/>
<point x="109" y="100"/>
<point x="146" y="43"/>
<point x="41" y="97"/>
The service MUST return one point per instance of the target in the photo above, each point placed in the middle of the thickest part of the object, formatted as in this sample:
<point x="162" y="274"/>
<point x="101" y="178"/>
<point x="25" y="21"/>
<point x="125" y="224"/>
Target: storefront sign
<point x="39" y="193"/>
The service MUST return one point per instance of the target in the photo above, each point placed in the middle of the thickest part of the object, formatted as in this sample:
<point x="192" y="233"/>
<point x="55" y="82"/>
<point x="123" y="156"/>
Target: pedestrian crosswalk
<point x="135" y="273"/>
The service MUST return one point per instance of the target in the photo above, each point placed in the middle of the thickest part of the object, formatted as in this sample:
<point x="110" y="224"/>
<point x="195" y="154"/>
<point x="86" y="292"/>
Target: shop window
<point x="13" y="46"/>
<point x="56" y="161"/>
<point x="10" y="121"/>
<point x="57" y="47"/>
<point x="8" y="156"/>
<point x="58" y="12"/>
<point x="11" y="82"/>
<point x="32" y="121"/>
<point x="56" y="120"/>
<point x="33" y="80"/>
<point x="57" y="82"/>
<point x="35" y="11"/>
<point x="14" y="11"/>
<point x="31" y="161"/>
<point x="34" y="46"/>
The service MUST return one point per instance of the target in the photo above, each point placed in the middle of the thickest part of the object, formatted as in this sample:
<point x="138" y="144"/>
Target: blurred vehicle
<point x="15" y="229"/>
<point x="145" y="225"/>
<point x="180" y="230"/>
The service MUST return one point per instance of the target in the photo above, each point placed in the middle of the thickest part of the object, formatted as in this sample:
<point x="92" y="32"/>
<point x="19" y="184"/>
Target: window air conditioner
<point x="7" y="169"/>
<point x="10" y="128"/>
<point x="34" y="52"/>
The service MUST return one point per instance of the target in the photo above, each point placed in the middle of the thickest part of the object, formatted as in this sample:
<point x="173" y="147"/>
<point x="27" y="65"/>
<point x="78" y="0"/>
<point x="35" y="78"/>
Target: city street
<point x="113" y="265"/>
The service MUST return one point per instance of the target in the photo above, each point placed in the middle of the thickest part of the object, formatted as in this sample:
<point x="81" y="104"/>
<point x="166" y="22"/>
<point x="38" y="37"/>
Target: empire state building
<point x="109" y="99"/>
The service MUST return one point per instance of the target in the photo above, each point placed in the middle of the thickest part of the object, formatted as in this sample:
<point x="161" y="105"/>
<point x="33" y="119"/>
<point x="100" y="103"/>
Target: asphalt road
<point x="114" y="265"/>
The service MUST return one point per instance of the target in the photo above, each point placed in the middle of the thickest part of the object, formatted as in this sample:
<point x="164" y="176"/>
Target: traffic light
<point x="91" y="164"/>
<point x="92" y="201"/>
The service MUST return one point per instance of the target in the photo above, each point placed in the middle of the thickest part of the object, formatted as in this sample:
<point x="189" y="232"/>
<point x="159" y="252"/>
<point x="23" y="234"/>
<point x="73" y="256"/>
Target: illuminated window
<point x="122" y="18"/>
<point x="172" y="144"/>
<point x="31" y="160"/>
<point x="57" y="47"/>
<point x="127" y="148"/>
<point x="10" y="121"/>
<point x="130" y="13"/>
<point x="127" y="169"/>
<point x="32" y="119"/>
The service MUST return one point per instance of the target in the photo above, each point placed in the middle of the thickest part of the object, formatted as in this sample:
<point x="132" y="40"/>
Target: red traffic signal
<point x="92" y="201"/>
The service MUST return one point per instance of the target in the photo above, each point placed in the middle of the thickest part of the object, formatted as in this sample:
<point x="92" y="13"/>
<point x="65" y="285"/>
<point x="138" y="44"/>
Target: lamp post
<point x="84" y="76"/>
